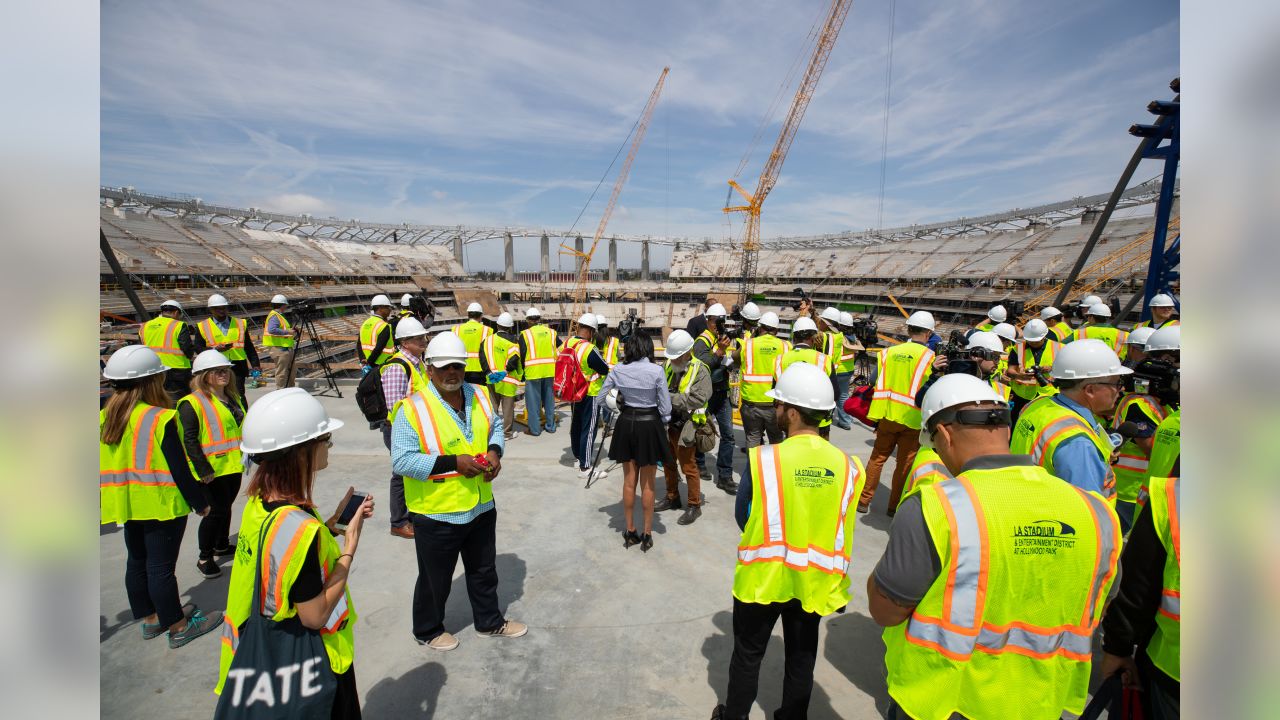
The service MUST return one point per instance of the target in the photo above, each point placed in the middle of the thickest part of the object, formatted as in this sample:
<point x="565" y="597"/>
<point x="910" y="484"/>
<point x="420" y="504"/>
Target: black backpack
<point x="370" y="398"/>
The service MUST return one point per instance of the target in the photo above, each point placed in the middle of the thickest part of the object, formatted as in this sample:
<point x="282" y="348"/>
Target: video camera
<point x="804" y="297"/>
<point x="1158" y="378"/>
<point x="630" y="325"/>
<point x="866" y="330"/>
<point x="422" y="308"/>
<point x="959" y="358"/>
<point x="304" y="310"/>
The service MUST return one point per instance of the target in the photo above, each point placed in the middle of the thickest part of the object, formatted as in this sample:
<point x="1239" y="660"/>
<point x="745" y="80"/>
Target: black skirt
<point x="639" y="436"/>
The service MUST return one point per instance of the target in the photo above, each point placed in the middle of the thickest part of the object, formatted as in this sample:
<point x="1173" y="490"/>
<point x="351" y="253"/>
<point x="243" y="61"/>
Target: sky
<point x="501" y="113"/>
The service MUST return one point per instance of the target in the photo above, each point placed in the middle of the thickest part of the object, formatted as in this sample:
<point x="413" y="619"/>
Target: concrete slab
<point x="613" y="633"/>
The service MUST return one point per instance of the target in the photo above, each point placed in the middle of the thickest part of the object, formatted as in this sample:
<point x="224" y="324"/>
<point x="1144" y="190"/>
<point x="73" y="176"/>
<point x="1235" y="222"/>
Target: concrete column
<point x="509" y="250"/>
<point x="613" y="260"/>
<point x="577" y="245"/>
<point x="644" y="260"/>
<point x="457" y="248"/>
<point x="546" y="259"/>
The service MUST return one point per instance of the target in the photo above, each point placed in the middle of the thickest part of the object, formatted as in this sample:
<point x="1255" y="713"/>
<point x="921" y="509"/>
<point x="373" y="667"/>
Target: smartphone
<point x="349" y="512"/>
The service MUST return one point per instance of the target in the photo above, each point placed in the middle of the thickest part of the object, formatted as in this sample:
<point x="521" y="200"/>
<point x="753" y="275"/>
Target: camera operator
<point x="1150" y="396"/>
<point x="1135" y="346"/>
<point x="698" y="323"/>
<point x="281" y="337"/>
<point x="980" y="358"/>
<point x="1165" y="346"/>
<point x="711" y="346"/>
<point x="1030" y="364"/>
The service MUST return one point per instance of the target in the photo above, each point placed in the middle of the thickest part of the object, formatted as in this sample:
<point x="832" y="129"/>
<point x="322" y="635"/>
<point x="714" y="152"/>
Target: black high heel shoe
<point x="646" y="542"/>
<point x="629" y="538"/>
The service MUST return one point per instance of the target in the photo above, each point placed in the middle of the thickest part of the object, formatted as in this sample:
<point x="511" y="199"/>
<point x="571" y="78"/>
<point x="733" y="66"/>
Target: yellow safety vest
<point x="134" y="481"/>
<point x="848" y="357"/>
<point x="417" y="377"/>
<point x="613" y="352"/>
<point x="1045" y="424"/>
<point x="219" y="433"/>
<point x="498" y="351"/>
<point x="1167" y="323"/>
<point x="289" y="537"/>
<point x="900" y="372"/>
<point x="582" y="350"/>
<point x="796" y="543"/>
<point x="369" y="333"/>
<point x="927" y="469"/>
<point x="985" y="326"/>
<point x="540" y="349"/>
<point x="281" y="341"/>
<point x="1048" y="352"/>
<point x="473" y="333"/>
<point x="237" y="331"/>
<point x="833" y="347"/>
<point x="761" y="366"/>
<point x="820" y="360"/>
<point x="439" y="433"/>
<point x="1131" y="467"/>
<point x="1165" y="645"/>
<point x="695" y="366"/>
<point x="1113" y="337"/>
<point x="1006" y="629"/>
<point x="161" y="335"/>
<point x="999" y="386"/>
<point x="1063" y="332"/>
<point x="1166" y="446"/>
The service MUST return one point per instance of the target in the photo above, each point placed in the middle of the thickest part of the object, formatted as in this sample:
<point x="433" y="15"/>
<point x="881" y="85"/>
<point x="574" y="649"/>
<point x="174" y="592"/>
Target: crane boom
<point x="584" y="269"/>
<point x="773" y="166"/>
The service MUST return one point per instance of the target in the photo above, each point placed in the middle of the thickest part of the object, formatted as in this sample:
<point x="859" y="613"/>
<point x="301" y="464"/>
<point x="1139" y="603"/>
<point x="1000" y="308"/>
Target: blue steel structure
<point x="1162" y="141"/>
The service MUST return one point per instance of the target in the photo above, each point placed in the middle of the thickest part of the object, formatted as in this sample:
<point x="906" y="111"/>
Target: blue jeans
<point x="538" y="395"/>
<point x="840" y="381"/>
<point x="580" y="431"/>
<point x="1125" y="512"/>
<point x="719" y="408"/>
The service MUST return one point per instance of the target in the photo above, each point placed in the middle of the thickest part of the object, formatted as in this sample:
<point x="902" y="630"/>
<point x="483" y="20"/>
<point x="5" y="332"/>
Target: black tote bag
<point x="280" y="670"/>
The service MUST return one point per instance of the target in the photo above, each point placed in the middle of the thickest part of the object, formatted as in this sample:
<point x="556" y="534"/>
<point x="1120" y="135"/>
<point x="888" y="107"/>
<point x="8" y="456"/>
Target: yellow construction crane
<point x="580" y="290"/>
<point x="773" y="166"/>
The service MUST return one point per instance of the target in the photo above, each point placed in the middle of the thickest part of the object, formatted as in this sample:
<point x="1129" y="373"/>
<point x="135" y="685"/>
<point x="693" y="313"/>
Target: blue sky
<point x="508" y="113"/>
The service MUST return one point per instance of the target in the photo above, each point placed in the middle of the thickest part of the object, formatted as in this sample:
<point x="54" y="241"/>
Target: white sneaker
<point x="585" y="474"/>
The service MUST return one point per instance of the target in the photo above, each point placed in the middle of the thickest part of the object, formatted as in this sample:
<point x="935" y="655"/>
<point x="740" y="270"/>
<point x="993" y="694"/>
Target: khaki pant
<point x="686" y="458"/>
<point x="285" y="367"/>
<point x="759" y="421"/>
<point x="888" y="435"/>
<point x="506" y="406"/>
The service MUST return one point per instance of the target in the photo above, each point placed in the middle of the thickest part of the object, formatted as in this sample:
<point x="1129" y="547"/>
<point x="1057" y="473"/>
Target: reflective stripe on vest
<point x="219" y="439"/>
<point x="884" y="392"/>
<point x="1049" y="435"/>
<point x="234" y="336"/>
<point x="928" y="472"/>
<point x="494" y="366"/>
<point x="432" y="442"/>
<point x="284" y="339"/>
<point x="531" y="345"/>
<point x="369" y="332"/>
<point x="161" y="335"/>
<point x="142" y="454"/>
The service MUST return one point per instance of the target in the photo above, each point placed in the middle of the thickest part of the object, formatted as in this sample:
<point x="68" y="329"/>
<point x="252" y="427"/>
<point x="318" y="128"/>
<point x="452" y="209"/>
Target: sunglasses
<point x="1113" y="385"/>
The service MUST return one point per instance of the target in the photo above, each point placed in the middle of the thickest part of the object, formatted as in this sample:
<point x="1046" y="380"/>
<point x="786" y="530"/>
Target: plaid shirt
<point x="395" y="381"/>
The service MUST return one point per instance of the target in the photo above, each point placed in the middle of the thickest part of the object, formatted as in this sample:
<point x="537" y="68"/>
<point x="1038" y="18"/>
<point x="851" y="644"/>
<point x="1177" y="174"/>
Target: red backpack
<point x="569" y="384"/>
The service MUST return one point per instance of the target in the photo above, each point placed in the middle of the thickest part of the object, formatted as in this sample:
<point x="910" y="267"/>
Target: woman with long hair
<point x="210" y="417"/>
<point x="286" y="433"/>
<point x="639" y="436"/>
<point x="145" y="485"/>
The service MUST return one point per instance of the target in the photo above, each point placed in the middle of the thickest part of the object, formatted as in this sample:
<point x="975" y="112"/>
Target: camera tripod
<point x="596" y="471"/>
<point x="309" y="328"/>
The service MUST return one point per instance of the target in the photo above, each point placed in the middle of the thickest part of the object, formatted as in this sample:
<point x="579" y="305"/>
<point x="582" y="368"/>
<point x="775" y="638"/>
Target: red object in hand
<point x="482" y="461"/>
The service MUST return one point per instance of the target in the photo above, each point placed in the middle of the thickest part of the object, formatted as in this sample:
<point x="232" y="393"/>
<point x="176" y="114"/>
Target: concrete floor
<point x="613" y="633"/>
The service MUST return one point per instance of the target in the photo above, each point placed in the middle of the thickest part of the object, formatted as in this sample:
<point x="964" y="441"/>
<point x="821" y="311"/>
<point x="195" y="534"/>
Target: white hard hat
<point x="279" y="300"/>
<point x="1006" y="331"/>
<point x="716" y="310"/>
<point x="769" y="319"/>
<point x="805" y="386"/>
<point x="208" y="360"/>
<point x="1035" y="330"/>
<point x="409" y="327"/>
<point x="922" y="319"/>
<point x="1085" y="359"/>
<point x="1166" y="338"/>
<point x="611" y="400"/>
<point x="803" y="324"/>
<point x="533" y="312"/>
<point x="216" y="300"/>
<point x="1099" y="310"/>
<point x="678" y="343"/>
<point x="474" y="308"/>
<point x="950" y="391"/>
<point x="601" y="321"/>
<point x="132" y="362"/>
<point x="985" y="340"/>
<point x="846" y="318"/>
<point x="1090" y="300"/>
<point x="751" y="311"/>
<point x="284" y="418"/>
<point x="171" y="304"/>
<point x="380" y="300"/>
<point x="831" y="315"/>
<point x="997" y="314"/>
<point x="446" y="349"/>
<point x="589" y="320"/>
<point x="1138" y="336"/>
<point x="504" y="320"/>
<point x="1161" y="300"/>
<point x="1049" y="313"/>
<point x="405" y="300"/>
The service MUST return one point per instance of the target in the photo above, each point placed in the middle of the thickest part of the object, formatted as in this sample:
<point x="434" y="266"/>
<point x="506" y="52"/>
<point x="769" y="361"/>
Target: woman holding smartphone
<point x="210" y="417"/>
<point x="286" y="433"/>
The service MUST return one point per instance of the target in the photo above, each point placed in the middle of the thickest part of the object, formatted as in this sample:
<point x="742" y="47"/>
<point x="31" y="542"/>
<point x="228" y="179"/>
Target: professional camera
<point x="865" y="329"/>
<point x="959" y="358"/>
<point x="630" y="325"/>
<point x="1157" y="378"/>
<point x="305" y="310"/>
<point x="422" y="308"/>
<point x="804" y="297"/>
<point x="732" y="328"/>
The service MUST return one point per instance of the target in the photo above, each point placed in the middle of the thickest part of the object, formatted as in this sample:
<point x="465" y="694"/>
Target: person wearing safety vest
<point x="804" y="335"/>
<point x="985" y="349"/>
<point x="403" y="375"/>
<point x="760" y="358"/>
<point x="146" y="486"/>
<point x="689" y="385"/>
<point x="901" y="370"/>
<point x="500" y="364"/>
<point x="992" y="582"/>
<point x="1135" y="346"/>
<point x="229" y="336"/>
<point x="995" y="315"/>
<point x="797" y="540"/>
<point x="281" y="337"/>
<point x="170" y="338"/>
<point x="1061" y="432"/>
<point x="1143" y="413"/>
<point x="712" y="345"/>
<point x="927" y="469"/>
<point x="1059" y="328"/>
<point x="473" y="332"/>
<point x="1099" y="327"/>
<point x="304" y="570"/>
<point x="610" y="343"/>
<point x="1008" y="336"/>
<point x="832" y="345"/>
<point x="594" y="369"/>
<point x="538" y="359"/>
<point x="1165" y="345"/>
<point x="406" y="307"/>
<point x="210" y="418"/>
<point x="446" y="444"/>
<point x="1163" y="313"/>
<point x="375" y="346"/>
<point x="1029" y="365"/>
<point x="1086" y="304"/>
<point x="846" y="365"/>
<point x="1149" y="605"/>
